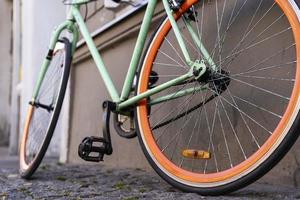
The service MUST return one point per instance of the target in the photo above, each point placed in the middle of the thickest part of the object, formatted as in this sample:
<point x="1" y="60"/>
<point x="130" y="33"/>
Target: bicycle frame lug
<point x="198" y="69"/>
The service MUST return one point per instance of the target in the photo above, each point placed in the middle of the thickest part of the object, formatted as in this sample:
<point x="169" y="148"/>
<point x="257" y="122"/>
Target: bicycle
<point x="214" y="101"/>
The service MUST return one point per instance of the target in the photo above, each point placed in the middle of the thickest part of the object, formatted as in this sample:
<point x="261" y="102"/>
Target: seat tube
<point x="138" y="49"/>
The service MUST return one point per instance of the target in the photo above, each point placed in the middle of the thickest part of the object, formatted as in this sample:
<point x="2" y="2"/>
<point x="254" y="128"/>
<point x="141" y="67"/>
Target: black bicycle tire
<point x="27" y="173"/>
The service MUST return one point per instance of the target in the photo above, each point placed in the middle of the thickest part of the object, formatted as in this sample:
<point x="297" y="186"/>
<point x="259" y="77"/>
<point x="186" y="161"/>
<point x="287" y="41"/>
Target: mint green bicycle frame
<point x="75" y="23"/>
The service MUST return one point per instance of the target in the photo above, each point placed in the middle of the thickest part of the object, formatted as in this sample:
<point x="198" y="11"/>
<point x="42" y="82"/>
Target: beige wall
<point x="88" y="93"/>
<point x="5" y="68"/>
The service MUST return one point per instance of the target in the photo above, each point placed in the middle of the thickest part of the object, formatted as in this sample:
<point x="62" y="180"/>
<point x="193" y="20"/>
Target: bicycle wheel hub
<point x="218" y="81"/>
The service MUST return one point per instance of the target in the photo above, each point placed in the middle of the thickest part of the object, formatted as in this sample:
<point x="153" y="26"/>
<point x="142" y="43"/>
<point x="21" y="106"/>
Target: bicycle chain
<point x="185" y="113"/>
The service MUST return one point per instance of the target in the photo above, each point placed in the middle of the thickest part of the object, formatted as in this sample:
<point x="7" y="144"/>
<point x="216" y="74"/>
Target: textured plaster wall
<point x="5" y="69"/>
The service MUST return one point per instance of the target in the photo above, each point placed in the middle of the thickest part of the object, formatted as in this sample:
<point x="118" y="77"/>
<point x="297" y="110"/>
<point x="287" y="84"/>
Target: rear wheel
<point x="43" y="111"/>
<point x="213" y="141"/>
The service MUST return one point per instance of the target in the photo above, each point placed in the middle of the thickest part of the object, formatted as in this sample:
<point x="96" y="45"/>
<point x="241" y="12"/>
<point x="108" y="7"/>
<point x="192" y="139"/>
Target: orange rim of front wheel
<point x="243" y="168"/>
<point x="24" y="165"/>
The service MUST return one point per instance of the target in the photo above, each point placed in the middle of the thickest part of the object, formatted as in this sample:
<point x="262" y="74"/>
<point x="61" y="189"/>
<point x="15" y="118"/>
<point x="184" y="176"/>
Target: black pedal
<point x="92" y="149"/>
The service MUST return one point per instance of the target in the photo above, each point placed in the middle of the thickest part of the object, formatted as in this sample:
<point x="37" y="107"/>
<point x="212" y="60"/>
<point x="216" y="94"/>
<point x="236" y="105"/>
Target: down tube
<point x="96" y="56"/>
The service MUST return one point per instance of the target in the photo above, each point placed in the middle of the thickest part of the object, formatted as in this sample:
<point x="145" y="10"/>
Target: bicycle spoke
<point x="265" y="78"/>
<point x="174" y="49"/>
<point x="239" y="110"/>
<point x="265" y="68"/>
<point x="234" y="55"/>
<point x="258" y="107"/>
<point x="167" y="65"/>
<point x="245" y="123"/>
<point x="168" y="56"/>
<point x="225" y="139"/>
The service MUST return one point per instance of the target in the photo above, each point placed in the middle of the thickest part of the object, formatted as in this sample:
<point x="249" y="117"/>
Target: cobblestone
<point x="56" y="181"/>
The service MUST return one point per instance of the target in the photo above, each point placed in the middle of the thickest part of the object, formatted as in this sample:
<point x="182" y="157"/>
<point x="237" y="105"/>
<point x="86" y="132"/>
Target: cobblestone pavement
<point x="56" y="181"/>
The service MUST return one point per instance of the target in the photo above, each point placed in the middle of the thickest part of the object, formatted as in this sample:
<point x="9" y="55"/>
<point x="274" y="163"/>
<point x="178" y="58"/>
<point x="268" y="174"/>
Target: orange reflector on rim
<point x="196" y="154"/>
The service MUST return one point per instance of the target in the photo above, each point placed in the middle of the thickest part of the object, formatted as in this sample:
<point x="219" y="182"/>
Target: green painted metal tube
<point x="46" y="61"/>
<point x="80" y="2"/>
<point x="200" y="45"/>
<point x="152" y="91"/>
<point x="41" y="77"/>
<point x="72" y="28"/>
<point x="138" y="49"/>
<point x="177" y="32"/>
<point x="75" y="32"/>
<point x="176" y="95"/>
<point x="95" y="54"/>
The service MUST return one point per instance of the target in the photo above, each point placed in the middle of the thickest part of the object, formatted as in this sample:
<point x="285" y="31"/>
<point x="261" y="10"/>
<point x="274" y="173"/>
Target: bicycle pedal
<point x="92" y="149"/>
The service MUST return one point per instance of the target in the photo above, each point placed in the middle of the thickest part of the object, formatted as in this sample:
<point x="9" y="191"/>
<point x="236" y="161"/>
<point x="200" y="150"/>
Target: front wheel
<point x="43" y="111"/>
<point x="211" y="141"/>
